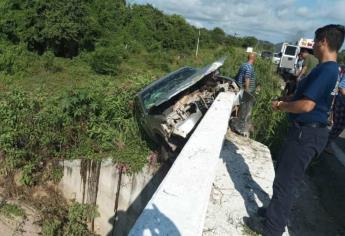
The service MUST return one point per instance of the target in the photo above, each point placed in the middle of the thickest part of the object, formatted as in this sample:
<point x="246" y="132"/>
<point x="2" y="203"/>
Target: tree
<point x="218" y="35"/>
<point x="341" y="57"/>
<point x="249" y="42"/>
<point x="63" y="26"/>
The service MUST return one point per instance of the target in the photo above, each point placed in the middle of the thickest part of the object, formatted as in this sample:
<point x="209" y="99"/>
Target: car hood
<point x="190" y="81"/>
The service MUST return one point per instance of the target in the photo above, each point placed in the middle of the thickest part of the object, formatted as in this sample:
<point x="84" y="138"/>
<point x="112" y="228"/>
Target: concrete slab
<point x="243" y="183"/>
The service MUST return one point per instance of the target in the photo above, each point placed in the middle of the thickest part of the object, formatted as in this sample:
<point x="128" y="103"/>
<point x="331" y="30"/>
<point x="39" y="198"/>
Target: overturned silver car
<point x="170" y="108"/>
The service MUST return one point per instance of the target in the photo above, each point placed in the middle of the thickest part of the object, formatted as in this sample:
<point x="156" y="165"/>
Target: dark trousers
<point x="301" y="146"/>
<point x="242" y="124"/>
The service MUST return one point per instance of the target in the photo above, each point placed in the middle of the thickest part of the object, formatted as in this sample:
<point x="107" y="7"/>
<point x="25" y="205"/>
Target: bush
<point x="105" y="61"/>
<point x="93" y="122"/>
<point x="78" y="216"/>
<point x="75" y="223"/>
<point x="14" y="59"/>
<point x="49" y="63"/>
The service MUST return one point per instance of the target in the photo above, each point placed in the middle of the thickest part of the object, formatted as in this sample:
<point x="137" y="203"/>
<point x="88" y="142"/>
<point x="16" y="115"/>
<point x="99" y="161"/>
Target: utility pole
<point x="197" y="46"/>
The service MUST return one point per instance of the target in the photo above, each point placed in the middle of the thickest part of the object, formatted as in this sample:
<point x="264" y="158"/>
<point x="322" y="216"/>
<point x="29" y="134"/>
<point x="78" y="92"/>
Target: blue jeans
<point x="301" y="146"/>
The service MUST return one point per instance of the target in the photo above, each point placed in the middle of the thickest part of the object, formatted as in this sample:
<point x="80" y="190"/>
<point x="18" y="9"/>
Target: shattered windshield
<point x="163" y="88"/>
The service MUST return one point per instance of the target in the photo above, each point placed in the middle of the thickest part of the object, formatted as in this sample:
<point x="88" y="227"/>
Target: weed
<point x="247" y="231"/>
<point x="75" y="222"/>
<point x="11" y="210"/>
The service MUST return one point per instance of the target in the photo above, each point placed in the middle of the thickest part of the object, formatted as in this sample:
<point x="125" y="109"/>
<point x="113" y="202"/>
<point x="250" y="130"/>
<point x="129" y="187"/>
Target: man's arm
<point x="246" y="83"/>
<point x="302" y="72"/>
<point x="299" y="106"/>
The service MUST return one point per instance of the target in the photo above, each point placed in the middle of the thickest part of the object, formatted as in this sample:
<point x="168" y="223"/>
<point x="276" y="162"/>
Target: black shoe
<point x="256" y="224"/>
<point x="261" y="211"/>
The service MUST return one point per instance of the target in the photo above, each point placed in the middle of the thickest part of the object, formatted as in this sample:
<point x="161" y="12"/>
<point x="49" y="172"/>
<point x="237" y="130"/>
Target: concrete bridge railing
<point x="179" y="205"/>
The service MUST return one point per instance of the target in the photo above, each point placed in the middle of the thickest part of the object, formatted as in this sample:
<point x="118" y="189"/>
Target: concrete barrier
<point x="179" y="205"/>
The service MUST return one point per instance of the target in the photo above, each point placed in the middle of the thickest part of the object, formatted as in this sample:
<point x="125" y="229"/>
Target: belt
<point x="309" y="125"/>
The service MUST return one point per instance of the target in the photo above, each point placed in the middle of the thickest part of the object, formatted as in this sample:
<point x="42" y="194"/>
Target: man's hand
<point x="275" y="106"/>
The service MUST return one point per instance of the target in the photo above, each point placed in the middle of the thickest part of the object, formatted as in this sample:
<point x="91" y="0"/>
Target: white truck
<point x="289" y="55"/>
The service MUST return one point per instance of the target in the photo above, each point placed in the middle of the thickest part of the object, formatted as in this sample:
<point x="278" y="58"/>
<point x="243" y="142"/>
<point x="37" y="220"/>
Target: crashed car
<point x="169" y="109"/>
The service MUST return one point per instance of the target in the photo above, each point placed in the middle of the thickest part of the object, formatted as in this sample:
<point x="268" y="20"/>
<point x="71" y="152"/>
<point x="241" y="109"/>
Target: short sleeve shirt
<point x="310" y="62"/>
<point x="246" y="71"/>
<point x="317" y="86"/>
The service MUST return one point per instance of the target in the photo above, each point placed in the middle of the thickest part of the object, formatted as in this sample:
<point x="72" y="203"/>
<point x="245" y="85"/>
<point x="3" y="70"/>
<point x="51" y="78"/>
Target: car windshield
<point x="161" y="89"/>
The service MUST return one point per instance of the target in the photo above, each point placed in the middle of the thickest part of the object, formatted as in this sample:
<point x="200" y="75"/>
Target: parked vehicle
<point x="288" y="61"/>
<point x="266" y="54"/>
<point x="169" y="109"/>
<point x="276" y="58"/>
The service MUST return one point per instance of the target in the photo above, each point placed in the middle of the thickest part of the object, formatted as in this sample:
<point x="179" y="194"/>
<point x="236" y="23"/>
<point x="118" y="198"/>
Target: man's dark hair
<point x="310" y="51"/>
<point x="334" y="34"/>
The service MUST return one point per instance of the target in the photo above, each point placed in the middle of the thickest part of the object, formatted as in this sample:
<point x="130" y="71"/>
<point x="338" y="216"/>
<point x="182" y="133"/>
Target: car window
<point x="290" y="50"/>
<point x="266" y="54"/>
<point x="161" y="89"/>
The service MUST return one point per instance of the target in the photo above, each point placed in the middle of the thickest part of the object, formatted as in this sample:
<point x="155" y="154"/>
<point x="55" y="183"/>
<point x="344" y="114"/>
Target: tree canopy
<point x="67" y="27"/>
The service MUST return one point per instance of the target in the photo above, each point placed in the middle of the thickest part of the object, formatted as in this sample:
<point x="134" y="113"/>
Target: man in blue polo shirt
<point x="307" y="135"/>
<point x="246" y="74"/>
<point x="246" y="79"/>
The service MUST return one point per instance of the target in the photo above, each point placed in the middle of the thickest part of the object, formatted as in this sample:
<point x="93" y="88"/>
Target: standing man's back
<point x="246" y="79"/>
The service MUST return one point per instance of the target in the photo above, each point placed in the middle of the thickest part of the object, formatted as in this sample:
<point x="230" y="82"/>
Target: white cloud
<point x="303" y="12"/>
<point x="266" y="19"/>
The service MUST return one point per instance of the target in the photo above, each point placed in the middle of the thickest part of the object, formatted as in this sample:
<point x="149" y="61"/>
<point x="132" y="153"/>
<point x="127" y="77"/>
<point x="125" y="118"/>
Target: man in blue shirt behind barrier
<point x="246" y="79"/>
<point x="307" y="135"/>
<point x="246" y="74"/>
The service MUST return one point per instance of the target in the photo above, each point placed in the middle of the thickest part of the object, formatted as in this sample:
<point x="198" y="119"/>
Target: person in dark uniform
<point x="307" y="135"/>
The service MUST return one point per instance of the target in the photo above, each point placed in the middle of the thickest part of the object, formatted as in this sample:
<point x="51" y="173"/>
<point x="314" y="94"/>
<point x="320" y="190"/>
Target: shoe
<point x="261" y="211"/>
<point x="256" y="224"/>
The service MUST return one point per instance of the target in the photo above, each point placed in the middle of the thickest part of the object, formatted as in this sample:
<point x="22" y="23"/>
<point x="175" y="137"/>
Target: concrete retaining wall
<point x="120" y="198"/>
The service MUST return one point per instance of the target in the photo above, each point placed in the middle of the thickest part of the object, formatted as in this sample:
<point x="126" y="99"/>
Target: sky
<point x="272" y="20"/>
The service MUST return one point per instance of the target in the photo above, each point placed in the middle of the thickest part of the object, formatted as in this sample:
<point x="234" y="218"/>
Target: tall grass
<point x="269" y="127"/>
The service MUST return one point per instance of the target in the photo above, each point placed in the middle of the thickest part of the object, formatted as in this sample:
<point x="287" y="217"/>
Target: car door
<point x="289" y="57"/>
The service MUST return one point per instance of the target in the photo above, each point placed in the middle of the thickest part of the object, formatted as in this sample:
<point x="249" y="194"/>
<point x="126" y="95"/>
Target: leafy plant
<point x="11" y="210"/>
<point x="78" y="216"/>
<point x="52" y="228"/>
<point x="74" y="223"/>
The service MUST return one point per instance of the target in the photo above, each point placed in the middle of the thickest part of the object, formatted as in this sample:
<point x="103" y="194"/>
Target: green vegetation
<point x="248" y="232"/>
<point x="69" y="71"/>
<point x="341" y="57"/>
<point x="74" y="224"/>
<point x="11" y="210"/>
